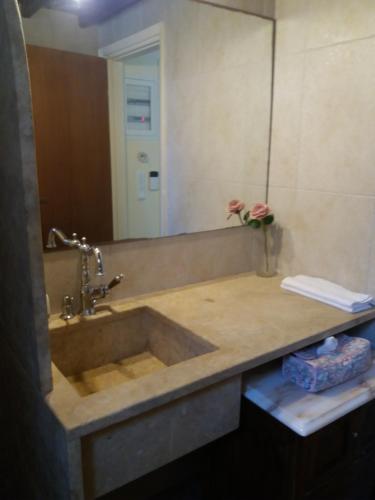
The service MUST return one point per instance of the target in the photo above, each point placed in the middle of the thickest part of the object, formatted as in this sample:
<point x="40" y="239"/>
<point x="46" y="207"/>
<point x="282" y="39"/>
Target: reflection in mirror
<point x="149" y="132"/>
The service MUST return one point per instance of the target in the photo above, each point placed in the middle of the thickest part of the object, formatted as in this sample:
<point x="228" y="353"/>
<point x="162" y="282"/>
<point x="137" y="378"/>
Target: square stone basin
<point x="101" y="352"/>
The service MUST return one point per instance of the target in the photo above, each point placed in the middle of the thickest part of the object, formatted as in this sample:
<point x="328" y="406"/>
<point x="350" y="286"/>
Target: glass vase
<point x="265" y="265"/>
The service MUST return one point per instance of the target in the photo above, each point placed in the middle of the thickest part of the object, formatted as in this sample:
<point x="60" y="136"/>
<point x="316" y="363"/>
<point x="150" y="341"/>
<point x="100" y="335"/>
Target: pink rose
<point x="235" y="206"/>
<point x="260" y="211"/>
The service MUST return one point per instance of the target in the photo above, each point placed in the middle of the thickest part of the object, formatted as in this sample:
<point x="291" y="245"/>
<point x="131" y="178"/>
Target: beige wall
<point x="152" y="265"/>
<point x="60" y="30"/>
<point x="218" y="100"/>
<point x="216" y="81"/>
<point x="260" y="7"/>
<point x="322" y="184"/>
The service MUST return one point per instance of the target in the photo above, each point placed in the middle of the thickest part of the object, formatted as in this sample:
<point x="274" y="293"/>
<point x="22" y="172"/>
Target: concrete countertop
<point x="250" y="319"/>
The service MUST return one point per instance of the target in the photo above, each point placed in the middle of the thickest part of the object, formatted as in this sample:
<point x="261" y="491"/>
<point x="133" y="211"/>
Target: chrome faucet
<point x="88" y="293"/>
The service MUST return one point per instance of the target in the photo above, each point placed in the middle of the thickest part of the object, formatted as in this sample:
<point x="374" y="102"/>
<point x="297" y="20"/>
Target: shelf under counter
<point x="305" y="412"/>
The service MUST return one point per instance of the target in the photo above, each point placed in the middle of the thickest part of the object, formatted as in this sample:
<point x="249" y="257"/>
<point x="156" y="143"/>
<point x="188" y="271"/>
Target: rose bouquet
<point x="259" y="216"/>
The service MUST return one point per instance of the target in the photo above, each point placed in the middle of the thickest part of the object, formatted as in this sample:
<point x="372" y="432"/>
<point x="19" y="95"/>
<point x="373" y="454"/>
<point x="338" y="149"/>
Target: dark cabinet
<point x="264" y="460"/>
<point x="336" y="462"/>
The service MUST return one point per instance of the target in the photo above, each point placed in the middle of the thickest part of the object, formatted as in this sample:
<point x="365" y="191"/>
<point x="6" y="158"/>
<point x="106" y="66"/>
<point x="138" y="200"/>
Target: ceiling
<point x="69" y="5"/>
<point x="89" y="11"/>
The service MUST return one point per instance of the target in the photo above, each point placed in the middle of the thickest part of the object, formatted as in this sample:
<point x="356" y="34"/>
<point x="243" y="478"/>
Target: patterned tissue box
<point x="315" y="373"/>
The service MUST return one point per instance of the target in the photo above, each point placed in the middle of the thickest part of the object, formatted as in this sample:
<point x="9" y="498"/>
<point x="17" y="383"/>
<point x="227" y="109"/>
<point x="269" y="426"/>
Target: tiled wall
<point x="152" y="265"/>
<point x="217" y="113"/>
<point x="260" y="7"/>
<point x="215" y="101"/>
<point x="322" y="184"/>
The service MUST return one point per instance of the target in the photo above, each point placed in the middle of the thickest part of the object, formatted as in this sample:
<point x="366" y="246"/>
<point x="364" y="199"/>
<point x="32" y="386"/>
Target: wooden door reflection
<point x="71" y="121"/>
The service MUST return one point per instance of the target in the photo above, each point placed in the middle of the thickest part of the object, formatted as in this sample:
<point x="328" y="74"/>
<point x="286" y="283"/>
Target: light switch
<point x="153" y="181"/>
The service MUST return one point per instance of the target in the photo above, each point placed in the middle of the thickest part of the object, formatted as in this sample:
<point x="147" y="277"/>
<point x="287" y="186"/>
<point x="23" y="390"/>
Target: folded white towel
<point x="328" y="292"/>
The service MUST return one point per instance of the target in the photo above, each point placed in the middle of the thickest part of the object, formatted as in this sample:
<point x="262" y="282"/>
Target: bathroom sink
<point x="106" y="351"/>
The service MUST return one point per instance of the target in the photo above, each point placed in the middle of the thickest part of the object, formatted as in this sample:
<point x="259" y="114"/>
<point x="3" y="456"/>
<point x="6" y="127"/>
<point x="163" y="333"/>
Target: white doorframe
<point x="118" y="149"/>
<point x="150" y="37"/>
<point x="142" y="40"/>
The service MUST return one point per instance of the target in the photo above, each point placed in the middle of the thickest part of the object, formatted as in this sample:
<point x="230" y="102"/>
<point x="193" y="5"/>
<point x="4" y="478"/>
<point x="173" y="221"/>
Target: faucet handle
<point x="67" y="308"/>
<point x="116" y="280"/>
<point x="101" y="291"/>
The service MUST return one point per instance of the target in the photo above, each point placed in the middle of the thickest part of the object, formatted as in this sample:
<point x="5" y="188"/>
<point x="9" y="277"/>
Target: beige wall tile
<point x="335" y="21"/>
<point x="230" y="38"/>
<point x="183" y="50"/>
<point x="317" y="23"/>
<point x="327" y="235"/>
<point x="222" y="141"/>
<point x="260" y="7"/>
<point x="194" y="213"/>
<point x="338" y="119"/>
<point x="283" y="204"/>
<point x="288" y="93"/>
<point x="322" y="177"/>
<point x="152" y="265"/>
<point x="291" y="24"/>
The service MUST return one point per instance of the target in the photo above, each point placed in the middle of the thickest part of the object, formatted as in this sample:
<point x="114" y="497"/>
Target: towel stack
<point x="329" y="293"/>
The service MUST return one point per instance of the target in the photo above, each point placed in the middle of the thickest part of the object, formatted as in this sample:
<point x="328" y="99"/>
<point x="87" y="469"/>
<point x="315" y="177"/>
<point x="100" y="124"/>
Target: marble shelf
<point x="305" y="412"/>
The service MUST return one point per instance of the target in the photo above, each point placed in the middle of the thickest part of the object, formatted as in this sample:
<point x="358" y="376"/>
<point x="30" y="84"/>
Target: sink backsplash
<point x="155" y="264"/>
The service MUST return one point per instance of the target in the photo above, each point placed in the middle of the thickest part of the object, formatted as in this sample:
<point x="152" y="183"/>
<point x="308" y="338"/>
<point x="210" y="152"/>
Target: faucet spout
<point x="53" y="232"/>
<point x="88" y="294"/>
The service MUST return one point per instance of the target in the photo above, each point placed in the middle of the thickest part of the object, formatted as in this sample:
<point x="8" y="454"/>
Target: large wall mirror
<point x="147" y="124"/>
